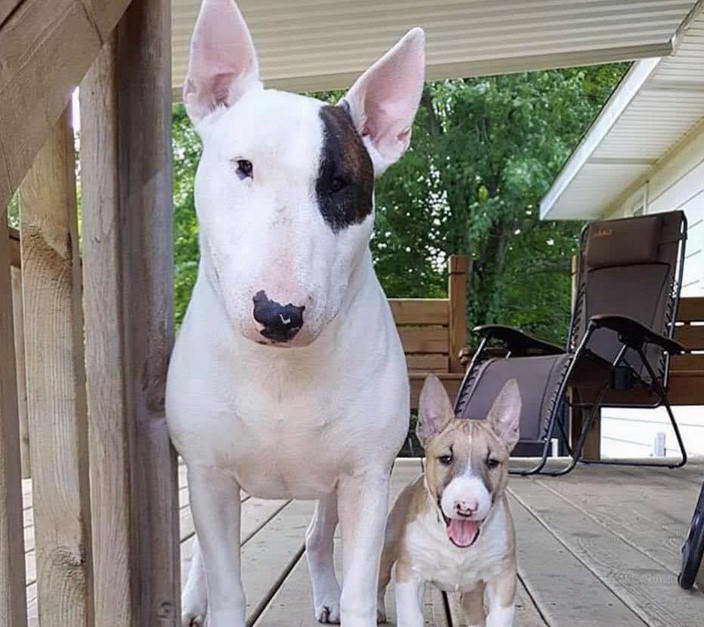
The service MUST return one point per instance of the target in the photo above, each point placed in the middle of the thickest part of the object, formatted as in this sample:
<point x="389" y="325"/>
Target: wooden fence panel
<point x="12" y="579"/>
<point x="56" y="408"/>
<point x="128" y="268"/>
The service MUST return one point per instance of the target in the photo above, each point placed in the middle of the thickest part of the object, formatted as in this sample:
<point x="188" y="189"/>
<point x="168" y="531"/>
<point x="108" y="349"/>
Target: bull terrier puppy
<point x="288" y="379"/>
<point x="452" y="526"/>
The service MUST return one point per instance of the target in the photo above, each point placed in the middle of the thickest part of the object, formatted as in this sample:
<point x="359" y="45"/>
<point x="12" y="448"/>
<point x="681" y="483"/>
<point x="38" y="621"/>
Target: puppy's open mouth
<point x="462" y="532"/>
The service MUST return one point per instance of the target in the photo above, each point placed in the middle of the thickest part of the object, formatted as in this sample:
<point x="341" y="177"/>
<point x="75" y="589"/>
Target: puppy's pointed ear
<point x="223" y="63"/>
<point x="384" y="100"/>
<point x="434" y="409"/>
<point x="505" y="414"/>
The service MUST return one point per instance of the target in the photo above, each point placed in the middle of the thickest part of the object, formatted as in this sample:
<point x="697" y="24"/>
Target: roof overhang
<point x="311" y="45"/>
<point x="658" y="104"/>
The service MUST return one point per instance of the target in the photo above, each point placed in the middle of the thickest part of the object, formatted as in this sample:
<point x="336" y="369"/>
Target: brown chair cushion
<point x="623" y="242"/>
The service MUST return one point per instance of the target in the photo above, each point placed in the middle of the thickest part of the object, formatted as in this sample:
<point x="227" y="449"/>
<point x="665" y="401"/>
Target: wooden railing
<point x="84" y="342"/>
<point x="434" y="331"/>
<point x="686" y="383"/>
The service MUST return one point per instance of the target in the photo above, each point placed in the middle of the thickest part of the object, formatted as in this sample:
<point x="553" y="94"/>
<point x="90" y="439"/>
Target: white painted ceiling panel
<point x="312" y="45"/>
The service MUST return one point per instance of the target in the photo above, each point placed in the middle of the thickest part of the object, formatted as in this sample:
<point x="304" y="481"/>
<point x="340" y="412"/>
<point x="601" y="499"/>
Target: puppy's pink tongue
<point x="462" y="532"/>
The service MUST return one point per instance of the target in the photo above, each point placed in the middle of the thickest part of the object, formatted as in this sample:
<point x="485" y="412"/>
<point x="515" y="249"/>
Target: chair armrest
<point x="634" y="333"/>
<point x="518" y="342"/>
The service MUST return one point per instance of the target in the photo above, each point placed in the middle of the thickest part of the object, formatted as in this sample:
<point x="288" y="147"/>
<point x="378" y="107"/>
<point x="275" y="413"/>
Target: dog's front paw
<point x="328" y="613"/>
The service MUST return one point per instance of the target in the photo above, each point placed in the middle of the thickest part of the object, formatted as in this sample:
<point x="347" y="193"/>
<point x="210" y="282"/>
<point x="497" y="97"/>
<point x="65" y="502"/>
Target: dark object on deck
<point x="628" y="282"/>
<point x="693" y="548"/>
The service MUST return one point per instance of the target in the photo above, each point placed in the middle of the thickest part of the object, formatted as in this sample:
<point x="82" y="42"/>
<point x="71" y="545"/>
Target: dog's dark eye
<point x="445" y="460"/>
<point x="338" y="184"/>
<point x="244" y="169"/>
<point x="492" y="463"/>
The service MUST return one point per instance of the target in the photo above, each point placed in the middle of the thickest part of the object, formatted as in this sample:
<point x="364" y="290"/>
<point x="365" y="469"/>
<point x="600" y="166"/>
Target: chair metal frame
<point x="629" y="341"/>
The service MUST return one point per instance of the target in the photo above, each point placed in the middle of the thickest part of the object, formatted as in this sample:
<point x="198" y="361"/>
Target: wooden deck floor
<point x="598" y="547"/>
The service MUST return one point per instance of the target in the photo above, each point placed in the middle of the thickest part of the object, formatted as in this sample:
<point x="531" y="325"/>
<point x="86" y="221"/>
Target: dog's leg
<point x="319" y="553"/>
<point x="195" y="598"/>
<point x="473" y="606"/>
<point x="501" y="593"/>
<point x="362" y="505"/>
<point x="215" y="502"/>
<point x="409" y="591"/>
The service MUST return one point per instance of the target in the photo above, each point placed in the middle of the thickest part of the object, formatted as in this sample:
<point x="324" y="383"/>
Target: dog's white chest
<point x="451" y="568"/>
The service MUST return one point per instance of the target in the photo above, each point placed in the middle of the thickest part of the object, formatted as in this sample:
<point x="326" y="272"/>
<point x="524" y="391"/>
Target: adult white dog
<point x="288" y="378"/>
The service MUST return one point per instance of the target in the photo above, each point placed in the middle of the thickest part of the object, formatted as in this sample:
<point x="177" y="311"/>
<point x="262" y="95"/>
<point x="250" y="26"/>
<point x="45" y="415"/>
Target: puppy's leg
<point x="501" y="594"/>
<point x="362" y="505"/>
<point x="409" y="590"/>
<point x="473" y="606"/>
<point x="215" y="502"/>
<point x="319" y="553"/>
<point x="195" y="598"/>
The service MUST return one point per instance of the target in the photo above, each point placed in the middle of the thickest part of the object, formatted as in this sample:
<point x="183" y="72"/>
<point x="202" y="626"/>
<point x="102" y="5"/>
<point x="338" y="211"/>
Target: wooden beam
<point x="128" y="277"/>
<point x="457" y="293"/>
<point x="18" y="324"/>
<point x="12" y="580"/>
<point x="56" y="406"/>
<point x="15" y="257"/>
<point x="46" y="48"/>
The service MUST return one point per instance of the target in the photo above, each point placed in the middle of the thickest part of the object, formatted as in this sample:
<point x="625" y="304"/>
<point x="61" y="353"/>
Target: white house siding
<point x="678" y="183"/>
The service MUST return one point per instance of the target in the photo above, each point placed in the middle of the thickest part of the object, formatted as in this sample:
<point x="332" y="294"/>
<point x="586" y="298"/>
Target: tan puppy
<point x="452" y="526"/>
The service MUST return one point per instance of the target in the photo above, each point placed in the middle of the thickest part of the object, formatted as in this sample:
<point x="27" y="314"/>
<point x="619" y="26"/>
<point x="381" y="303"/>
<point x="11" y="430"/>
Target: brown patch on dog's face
<point x="466" y="445"/>
<point x="345" y="184"/>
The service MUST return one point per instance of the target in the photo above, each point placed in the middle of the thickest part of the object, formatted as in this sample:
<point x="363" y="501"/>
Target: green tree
<point x="484" y="151"/>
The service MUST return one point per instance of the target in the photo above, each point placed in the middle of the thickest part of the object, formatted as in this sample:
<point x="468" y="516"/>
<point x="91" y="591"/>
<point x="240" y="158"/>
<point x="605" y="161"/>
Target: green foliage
<point x="484" y="152"/>
<point x="187" y="149"/>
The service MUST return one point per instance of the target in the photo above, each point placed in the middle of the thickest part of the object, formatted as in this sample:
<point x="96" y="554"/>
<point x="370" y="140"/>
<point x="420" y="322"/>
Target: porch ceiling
<point x="655" y="108"/>
<point x="309" y="45"/>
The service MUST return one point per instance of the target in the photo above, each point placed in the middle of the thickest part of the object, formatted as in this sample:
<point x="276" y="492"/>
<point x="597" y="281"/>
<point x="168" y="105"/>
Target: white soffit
<point x="309" y="45"/>
<point x="654" y="108"/>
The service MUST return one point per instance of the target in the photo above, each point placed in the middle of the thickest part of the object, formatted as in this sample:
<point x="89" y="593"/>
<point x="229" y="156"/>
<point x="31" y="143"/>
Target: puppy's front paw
<point x="328" y="613"/>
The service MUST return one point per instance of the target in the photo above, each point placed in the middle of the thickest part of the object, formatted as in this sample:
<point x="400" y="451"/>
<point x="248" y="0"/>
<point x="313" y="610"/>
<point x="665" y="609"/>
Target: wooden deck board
<point x="641" y="583"/>
<point x="598" y="547"/>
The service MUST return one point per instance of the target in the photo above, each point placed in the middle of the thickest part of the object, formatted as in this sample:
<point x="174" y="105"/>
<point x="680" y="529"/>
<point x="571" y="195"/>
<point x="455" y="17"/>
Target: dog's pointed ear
<point x="505" y="414"/>
<point x="434" y="409"/>
<point x="223" y="62"/>
<point x="384" y="100"/>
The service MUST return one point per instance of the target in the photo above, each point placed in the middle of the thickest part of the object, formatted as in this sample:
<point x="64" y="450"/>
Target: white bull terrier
<point x="288" y="379"/>
<point x="452" y="526"/>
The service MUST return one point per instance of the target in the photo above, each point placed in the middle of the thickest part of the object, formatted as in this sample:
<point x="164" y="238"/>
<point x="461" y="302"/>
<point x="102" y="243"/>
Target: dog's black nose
<point x="281" y="322"/>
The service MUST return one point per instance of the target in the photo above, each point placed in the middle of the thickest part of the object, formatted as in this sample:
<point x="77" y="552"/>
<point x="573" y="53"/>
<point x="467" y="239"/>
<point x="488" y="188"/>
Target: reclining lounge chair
<point x="620" y="340"/>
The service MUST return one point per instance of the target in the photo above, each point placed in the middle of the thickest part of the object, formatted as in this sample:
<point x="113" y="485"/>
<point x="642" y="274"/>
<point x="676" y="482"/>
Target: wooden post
<point x="128" y="277"/>
<point x="592" y="445"/>
<point x="13" y="599"/>
<point x="56" y="409"/>
<point x="457" y="293"/>
<point x="17" y="312"/>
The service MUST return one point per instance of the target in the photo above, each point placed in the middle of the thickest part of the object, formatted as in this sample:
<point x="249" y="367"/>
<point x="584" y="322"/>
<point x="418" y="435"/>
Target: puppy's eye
<point x="492" y="463"/>
<point x="338" y="184"/>
<point x="244" y="169"/>
<point x="445" y="460"/>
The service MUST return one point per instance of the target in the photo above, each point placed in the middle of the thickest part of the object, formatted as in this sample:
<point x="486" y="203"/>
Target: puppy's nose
<point x="281" y="322"/>
<point x="467" y="507"/>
